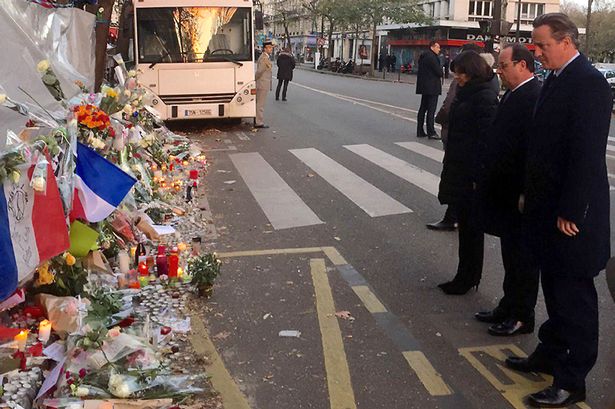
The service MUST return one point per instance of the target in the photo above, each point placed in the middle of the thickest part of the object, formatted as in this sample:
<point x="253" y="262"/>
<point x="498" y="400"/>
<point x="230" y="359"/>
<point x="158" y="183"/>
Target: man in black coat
<point x="567" y="205"/>
<point x="286" y="65"/>
<point x="429" y="86"/>
<point x="504" y="163"/>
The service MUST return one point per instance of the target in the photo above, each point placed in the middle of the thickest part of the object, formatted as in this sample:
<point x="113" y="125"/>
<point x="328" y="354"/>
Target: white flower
<point x="135" y="103"/>
<point x="132" y="73"/>
<point x="2" y="98"/>
<point x="42" y="66"/>
<point x="82" y="391"/>
<point x="38" y="184"/>
<point x="118" y="387"/>
<point x="127" y="109"/>
<point x="127" y="93"/>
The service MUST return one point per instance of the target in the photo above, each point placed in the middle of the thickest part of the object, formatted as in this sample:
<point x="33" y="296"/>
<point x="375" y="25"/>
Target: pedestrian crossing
<point x="286" y="209"/>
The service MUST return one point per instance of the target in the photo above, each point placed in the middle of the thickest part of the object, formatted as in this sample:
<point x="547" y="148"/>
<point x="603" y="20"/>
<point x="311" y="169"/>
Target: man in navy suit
<point x="504" y="167"/>
<point x="567" y="205"/>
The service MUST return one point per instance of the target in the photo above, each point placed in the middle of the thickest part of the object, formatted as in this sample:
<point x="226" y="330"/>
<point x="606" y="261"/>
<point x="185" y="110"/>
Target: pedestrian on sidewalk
<point x="429" y="86"/>
<point x="263" y="83"/>
<point x="501" y="188"/>
<point x="449" y="221"/>
<point x="381" y="61"/>
<point x="286" y="65"/>
<point x="567" y="207"/>
<point x="471" y="115"/>
<point x="393" y="62"/>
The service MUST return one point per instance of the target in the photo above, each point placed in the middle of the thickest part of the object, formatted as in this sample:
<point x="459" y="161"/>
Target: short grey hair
<point x="561" y="26"/>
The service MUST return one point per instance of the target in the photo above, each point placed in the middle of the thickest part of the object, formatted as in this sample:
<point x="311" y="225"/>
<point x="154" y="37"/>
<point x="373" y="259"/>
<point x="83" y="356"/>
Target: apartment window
<point x="480" y="10"/>
<point x="529" y="11"/>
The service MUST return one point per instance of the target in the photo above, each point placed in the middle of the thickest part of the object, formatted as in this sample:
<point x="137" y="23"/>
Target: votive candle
<point x="22" y="339"/>
<point x="44" y="331"/>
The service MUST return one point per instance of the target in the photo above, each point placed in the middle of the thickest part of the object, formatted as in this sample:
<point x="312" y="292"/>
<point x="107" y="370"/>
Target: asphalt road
<point x="337" y="209"/>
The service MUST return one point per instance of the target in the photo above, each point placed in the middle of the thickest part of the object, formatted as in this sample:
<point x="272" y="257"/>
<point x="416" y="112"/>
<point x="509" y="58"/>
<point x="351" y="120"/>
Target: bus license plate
<point x="197" y="112"/>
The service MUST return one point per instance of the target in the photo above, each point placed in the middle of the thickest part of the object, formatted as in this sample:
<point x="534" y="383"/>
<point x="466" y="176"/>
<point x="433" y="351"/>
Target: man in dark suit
<point x="429" y="86"/>
<point x="286" y="65"/>
<point x="504" y="163"/>
<point x="567" y="205"/>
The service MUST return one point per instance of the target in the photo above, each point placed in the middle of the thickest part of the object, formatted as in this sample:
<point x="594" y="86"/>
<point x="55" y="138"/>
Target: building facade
<point x="456" y="22"/>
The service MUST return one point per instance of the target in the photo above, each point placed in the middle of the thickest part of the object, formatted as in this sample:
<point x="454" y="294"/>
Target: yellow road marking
<point x="520" y="386"/>
<point x="335" y="256"/>
<point x="270" y="252"/>
<point x="427" y="374"/>
<point x="220" y="377"/>
<point x="341" y="395"/>
<point x="371" y="302"/>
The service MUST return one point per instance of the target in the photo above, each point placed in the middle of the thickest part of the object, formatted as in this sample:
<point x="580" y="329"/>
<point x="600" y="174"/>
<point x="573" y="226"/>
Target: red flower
<point x="67" y="375"/>
<point x="82" y="373"/>
<point x="70" y="381"/>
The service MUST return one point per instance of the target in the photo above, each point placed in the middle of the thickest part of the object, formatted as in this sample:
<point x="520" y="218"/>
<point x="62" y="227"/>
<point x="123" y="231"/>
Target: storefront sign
<point x="506" y="39"/>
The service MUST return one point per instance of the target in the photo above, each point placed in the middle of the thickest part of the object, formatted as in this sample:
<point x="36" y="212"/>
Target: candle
<point x="124" y="261"/>
<point x="173" y="261"/>
<point x="194" y="174"/>
<point x="21" y="339"/>
<point x="143" y="270"/>
<point x="44" y="331"/>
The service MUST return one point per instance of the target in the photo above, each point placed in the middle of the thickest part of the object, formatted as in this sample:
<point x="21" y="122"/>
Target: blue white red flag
<point x="100" y="186"/>
<point x="32" y="229"/>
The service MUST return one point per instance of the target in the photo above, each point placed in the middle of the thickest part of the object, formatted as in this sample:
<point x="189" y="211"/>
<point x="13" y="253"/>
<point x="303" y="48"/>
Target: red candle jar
<point x="173" y="261"/>
<point x="162" y="266"/>
<point x="194" y="174"/>
<point x="143" y="270"/>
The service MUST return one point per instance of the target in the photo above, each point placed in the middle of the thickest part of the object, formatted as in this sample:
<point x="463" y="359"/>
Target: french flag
<point x="100" y="185"/>
<point x="32" y="229"/>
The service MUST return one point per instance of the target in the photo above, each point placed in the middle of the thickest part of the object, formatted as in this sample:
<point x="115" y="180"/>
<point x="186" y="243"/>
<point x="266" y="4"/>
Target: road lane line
<point x="269" y="252"/>
<point x="415" y="175"/>
<point x="282" y="206"/>
<point x="428" y="151"/>
<point x="368" y="197"/>
<point x="514" y="386"/>
<point x="334" y="256"/>
<point x="220" y="377"/>
<point x="427" y="374"/>
<point x="369" y="299"/>
<point x="341" y="394"/>
<point x="242" y="136"/>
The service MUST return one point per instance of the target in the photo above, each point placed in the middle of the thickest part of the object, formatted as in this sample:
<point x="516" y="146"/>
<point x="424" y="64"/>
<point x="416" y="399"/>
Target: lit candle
<point x="133" y="250"/>
<point x="21" y="339"/>
<point x="44" y="331"/>
<point x="143" y="270"/>
<point x="154" y="167"/>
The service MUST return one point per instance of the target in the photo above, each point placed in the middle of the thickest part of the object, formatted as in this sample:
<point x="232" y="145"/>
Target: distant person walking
<point x="381" y="61"/>
<point x="286" y="65"/>
<point x="429" y="86"/>
<point x="263" y="83"/>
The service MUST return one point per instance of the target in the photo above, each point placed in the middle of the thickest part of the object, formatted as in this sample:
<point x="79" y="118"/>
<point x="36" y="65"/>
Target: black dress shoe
<point x="491" y="317"/>
<point x="511" y="327"/>
<point x="553" y="397"/>
<point x="434" y="136"/>
<point x="528" y="365"/>
<point x="442" y="225"/>
<point x="284" y="99"/>
<point x="421" y="135"/>
<point x="261" y="126"/>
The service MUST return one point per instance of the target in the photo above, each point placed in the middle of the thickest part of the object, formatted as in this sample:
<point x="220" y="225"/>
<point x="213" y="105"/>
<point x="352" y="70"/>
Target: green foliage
<point x="92" y="340"/>
<point x="9" y="162"/>
<point x="69" y="281"/>
<point x="103" y="304"/>
<point x="204" y="269"/>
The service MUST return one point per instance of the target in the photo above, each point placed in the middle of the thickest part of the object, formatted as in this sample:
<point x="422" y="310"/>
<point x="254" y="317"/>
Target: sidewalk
<point x="394" y="77"/>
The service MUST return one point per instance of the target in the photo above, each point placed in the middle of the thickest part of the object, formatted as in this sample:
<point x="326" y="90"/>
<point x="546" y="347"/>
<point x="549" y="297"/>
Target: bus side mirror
<point x="258" y="20"/>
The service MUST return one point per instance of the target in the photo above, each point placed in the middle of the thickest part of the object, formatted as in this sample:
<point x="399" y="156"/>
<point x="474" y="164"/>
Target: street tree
<point x="378" y="12"/>
<point x="331" y="11"/>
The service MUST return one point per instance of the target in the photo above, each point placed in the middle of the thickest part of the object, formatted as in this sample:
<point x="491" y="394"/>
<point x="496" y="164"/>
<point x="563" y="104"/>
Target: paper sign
<point x="55" y="351"/>
<point x="52" y="379"/>
<point x="82" y="239"/>
<point x="162" y="230"/>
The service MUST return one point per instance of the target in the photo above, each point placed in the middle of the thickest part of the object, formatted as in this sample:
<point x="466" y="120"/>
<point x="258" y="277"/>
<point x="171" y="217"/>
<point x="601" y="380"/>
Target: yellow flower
<point x="15" y="175"/>
<point x="2" y="98"/>
<point x="70" y="259"/>
<point x="44" y="276"/>
<point x="110" y="92"/>
<point x="42" y="66"/>
<point x="182" y="246"/>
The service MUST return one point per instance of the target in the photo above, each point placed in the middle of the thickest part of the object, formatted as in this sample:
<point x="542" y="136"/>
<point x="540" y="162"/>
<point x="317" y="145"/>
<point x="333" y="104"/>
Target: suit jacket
<point x="566" y="173"/>
<point x="503" y="160"/>
<point x="263" y="72"/>
<point x="428" y="80"/>
<point x="286" y="65"/>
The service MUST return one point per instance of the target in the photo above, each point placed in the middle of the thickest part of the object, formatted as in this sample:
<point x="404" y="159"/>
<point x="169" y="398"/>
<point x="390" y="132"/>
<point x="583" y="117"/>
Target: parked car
<point x="608" y="74"/>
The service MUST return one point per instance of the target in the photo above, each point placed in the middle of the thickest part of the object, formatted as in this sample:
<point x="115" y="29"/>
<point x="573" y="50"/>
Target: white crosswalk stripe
<point x="421" y="149"/>
<point x="282" y="206"/>
<point x="417" y="176"/>
<point x="369" y="198"/>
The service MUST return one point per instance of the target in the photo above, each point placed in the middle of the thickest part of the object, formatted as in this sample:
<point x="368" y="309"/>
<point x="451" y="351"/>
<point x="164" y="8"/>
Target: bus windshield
<point x="194" y="34"/>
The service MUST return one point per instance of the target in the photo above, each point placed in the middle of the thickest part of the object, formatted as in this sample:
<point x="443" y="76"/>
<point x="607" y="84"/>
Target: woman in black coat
<point x="286" y="65"/>
<point x="470" y="118"/>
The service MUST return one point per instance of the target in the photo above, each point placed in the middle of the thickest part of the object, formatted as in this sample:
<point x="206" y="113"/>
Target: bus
<point x="197" y="57"/>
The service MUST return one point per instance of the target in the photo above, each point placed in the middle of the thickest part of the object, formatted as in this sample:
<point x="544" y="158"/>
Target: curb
<point x="353" y="76"/>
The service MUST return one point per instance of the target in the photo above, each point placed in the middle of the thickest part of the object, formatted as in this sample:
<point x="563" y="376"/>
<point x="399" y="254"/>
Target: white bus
<point x="197" y="57"/>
